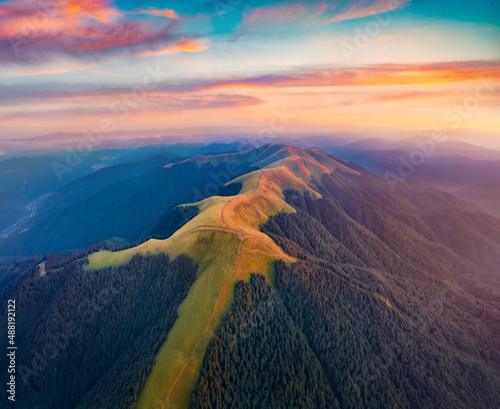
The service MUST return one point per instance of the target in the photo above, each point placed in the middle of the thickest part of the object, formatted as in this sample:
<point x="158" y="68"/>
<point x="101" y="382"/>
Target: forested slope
<point x="396" y="294"/>
<point x="89" y="338"/>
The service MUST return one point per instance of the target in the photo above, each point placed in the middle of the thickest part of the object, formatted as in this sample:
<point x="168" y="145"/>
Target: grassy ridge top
<point x="225" y="241"/>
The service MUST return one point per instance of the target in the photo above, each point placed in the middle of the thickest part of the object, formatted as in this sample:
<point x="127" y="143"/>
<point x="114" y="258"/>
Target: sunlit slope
<point x="225" y="240"/>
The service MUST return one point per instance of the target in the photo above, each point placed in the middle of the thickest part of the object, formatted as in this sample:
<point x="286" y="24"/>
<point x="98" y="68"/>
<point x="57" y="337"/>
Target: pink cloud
<point x="368" y="75"/>
<point x="365" y="8"/>
<point x="282" y="14"/>
<point x="268" y="17"/>
<point x="37" y="31"/>
<point x="371" y="75"/>
<point x="157" y="102"/>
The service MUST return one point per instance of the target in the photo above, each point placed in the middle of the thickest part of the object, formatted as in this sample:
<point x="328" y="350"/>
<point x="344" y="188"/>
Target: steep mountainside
<point x="26" y="180"/>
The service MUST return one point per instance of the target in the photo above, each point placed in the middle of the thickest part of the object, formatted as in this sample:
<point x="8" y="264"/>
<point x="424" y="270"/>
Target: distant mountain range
<point x="452" y="166"/>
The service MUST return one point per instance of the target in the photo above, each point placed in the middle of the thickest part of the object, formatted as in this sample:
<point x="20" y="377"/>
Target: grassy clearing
<point x="42" y="269"/>
<point x="178" y="361"/>
<point x="386" y="301"/>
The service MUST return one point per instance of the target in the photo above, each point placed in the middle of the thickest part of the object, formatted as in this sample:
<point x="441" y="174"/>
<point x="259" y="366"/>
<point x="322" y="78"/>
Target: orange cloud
<point x="98" y="9"/>
<point x="371" y="75"/>
<point x="383" y="38"/>
<point x="36" y="18"/>
<point x="184" y="45"/>
<point x="160" y="13"/>
<point x="189" y="46"/>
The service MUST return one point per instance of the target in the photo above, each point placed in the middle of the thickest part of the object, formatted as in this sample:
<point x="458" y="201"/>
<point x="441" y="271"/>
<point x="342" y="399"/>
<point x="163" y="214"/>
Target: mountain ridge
<point x="316" y="229"/>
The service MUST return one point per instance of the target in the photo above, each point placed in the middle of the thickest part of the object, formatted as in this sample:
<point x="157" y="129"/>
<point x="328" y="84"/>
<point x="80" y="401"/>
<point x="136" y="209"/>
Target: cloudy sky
<point x="335" y="66"/>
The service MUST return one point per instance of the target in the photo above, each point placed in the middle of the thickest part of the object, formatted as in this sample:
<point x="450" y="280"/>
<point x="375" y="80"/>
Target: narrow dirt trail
<point x="191" y="357"/>
<point x="229" y="201"/>
<point x="240" y="235"/>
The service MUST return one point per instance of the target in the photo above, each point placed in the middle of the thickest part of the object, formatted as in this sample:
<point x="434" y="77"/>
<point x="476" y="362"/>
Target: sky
<point x="365" y="66"/>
